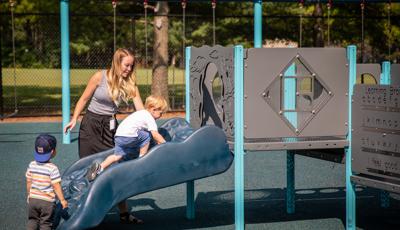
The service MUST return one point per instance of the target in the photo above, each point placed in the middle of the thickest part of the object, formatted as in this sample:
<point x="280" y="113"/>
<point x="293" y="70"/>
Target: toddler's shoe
<point x="94" y="170"/>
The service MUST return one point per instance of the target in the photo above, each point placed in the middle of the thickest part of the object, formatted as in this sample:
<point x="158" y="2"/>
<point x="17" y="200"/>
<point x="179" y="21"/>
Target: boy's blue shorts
<point x="131" y="145"/>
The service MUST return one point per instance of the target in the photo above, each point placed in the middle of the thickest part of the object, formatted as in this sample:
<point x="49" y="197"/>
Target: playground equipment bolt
<point x="330" y="93"/>
<point x="297" y="93"/>
<point x="384" y="134"/>
<point x="347" y="64"/>
<point x="245" y="96"/>
<point x="280" y="75"/>
<point x="245" y="126"/>
<point x="313" y="74"/>
<point x="297" y="56"/>
<point x="297" y="131"/>
<point x="264" y="94"/>
<point x="280" y="112"/>
<point x="346" y="124"/>
<point x="313" y="112"/>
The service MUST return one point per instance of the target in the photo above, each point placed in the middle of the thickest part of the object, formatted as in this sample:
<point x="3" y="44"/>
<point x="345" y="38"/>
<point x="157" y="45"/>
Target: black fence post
<point x="133" y="32"/>
<point x="1" y="71"/>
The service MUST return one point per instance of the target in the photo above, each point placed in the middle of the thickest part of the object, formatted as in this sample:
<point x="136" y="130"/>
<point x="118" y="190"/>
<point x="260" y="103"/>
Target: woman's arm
<point x="86" y="95"/>
<point x="137" y="100"/>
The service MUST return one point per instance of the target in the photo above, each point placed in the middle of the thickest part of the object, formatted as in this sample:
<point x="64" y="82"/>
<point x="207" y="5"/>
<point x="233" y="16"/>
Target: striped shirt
<point x="42" y="176"/>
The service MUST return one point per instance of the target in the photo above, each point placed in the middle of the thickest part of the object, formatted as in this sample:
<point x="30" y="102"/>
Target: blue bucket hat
<point x="44" y="144"/>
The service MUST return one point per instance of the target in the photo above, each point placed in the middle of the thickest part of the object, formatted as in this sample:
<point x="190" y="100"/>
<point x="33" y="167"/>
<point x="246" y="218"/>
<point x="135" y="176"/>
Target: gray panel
<point x="264" y="123"/>
<point x="334" y="155"/>
<point x="376" y="131"/>
<point x="364" y="71"/>
<point x="380" y="184"/>
<point x="395" y="74"/>
<point x="208" y="104"/>
<point x="284" y="144"/>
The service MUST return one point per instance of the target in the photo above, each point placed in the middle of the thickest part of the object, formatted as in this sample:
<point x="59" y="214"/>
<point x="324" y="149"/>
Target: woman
<point x="106" y="90"/>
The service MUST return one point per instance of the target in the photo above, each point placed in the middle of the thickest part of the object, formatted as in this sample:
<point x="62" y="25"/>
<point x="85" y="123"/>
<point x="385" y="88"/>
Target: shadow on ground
<point x="264" y="206"/>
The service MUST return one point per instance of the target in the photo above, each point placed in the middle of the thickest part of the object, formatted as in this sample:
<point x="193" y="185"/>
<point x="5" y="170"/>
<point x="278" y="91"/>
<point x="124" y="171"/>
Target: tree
<point x="318" y="27"/>
<point x="160" y="50"/>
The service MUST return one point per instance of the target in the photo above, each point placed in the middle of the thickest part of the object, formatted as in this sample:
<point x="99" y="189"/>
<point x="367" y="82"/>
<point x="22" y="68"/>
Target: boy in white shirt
<point x="134" y="132"/>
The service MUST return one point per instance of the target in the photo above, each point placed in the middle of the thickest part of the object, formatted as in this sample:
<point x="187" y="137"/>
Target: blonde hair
<point x="121" y="88"/>
<point x="153" y="101"/>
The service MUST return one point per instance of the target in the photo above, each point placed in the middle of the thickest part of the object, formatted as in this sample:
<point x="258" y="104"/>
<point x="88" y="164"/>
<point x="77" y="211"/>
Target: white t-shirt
<point x="139" y="120"/>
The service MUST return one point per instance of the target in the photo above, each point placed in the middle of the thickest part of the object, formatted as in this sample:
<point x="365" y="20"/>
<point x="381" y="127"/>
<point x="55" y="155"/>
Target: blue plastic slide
<point x="188" y="155"/>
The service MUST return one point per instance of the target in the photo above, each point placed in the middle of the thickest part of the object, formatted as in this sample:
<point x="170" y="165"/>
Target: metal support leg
<point x="190" y="206"/>
<point x="290" y="181"/>
<point x="385" y="199"/>
<point x="239" y="140"/>
<point x="350" y="187"/>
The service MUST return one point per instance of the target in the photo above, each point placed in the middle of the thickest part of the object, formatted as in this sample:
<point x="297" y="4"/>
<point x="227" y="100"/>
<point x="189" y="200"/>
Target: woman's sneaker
<point x="127" y="218"/>
<point x="94" y="170"/>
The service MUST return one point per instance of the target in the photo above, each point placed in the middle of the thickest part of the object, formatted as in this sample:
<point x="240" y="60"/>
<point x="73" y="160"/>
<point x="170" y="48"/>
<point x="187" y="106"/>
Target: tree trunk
<point x="160" y="51"/>
<point x="318" y="26"/>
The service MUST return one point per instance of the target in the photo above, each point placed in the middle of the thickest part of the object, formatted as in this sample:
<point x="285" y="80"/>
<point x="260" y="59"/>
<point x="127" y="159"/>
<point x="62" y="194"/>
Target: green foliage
<point x="37" y="29"/>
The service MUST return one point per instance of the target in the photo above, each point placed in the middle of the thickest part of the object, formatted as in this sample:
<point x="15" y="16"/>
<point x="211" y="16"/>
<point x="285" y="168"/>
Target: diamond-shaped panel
<point x="297" y="94"/>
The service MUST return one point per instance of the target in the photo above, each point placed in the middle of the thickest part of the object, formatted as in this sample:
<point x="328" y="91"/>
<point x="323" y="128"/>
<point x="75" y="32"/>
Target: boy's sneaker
<point x="94" y="170"/>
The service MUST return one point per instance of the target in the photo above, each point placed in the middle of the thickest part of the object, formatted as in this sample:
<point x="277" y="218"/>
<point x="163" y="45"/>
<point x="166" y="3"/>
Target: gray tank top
<point x="101" y="102"/>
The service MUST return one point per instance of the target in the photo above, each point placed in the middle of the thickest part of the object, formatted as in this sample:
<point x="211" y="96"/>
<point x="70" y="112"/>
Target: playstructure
<point x="163" y="166"/>
<point x="293" y="99"/>
<point x="299" y="100"/>
<point x="64" y="23"/>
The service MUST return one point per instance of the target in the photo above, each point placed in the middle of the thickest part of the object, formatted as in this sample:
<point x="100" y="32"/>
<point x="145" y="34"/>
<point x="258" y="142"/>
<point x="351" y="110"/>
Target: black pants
<point x="95" y="134"/>
<point x="40" y="214"/>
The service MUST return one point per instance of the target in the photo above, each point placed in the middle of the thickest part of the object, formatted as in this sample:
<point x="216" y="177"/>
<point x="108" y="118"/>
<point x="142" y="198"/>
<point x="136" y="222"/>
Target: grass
<point x="39" y="91"/>
<point x="52" y="77"/>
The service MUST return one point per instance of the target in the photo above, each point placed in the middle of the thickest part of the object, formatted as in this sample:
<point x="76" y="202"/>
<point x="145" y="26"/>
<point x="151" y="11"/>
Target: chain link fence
<point x="34" y="86"/>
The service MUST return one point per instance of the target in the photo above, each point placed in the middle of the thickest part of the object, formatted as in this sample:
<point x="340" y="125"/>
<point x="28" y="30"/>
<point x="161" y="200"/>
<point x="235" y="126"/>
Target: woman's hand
<point x="137" y="100"/>
<point x="70" y="126"/>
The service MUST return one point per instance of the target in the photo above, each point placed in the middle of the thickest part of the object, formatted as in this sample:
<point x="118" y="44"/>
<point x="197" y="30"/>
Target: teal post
<point x="385" y="199"/>
<point x="239" y="145"/>
<point x="290" y="182"/>
<point x="350" y="188"/>
<point x="257" y="23"/>
<point x="66" y="104"/>
<point x="190" y="184"/>
<point x="290" y="103"/>
<point x="385" y="80"/>
<point x="385" y="76"/>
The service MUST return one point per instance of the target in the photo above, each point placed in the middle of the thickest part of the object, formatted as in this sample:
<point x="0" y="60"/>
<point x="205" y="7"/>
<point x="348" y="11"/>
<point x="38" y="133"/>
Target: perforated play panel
<point x="211" y="87"/>
<point x="395" y="74"/>
<point x="376" y="136"/>
<point x="295" y="98"/>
